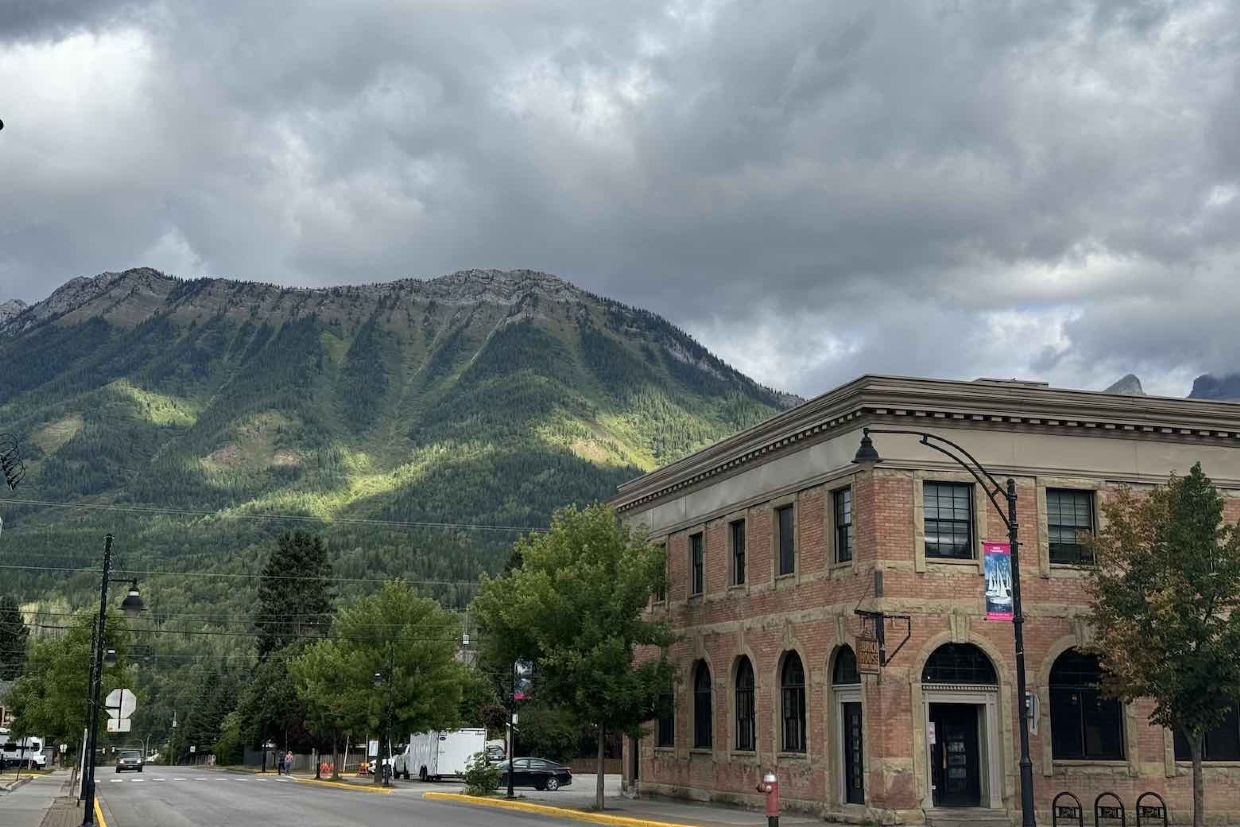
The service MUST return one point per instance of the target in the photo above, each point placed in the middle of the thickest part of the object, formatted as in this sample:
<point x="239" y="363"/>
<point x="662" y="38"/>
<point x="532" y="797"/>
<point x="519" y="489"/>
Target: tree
<point x="13" y="637"/>
<point x="269" y="704"/>
<point x="576" y="607"/>
<point x="1165" y="594"/>
<point x="294" y="595"/>
<point x="410" y="641"/>
<point x="49" y="699"/>
<point x="327" y="677"/>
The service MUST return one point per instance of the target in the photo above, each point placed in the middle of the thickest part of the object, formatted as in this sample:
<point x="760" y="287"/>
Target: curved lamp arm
<point x="989" y="484"/>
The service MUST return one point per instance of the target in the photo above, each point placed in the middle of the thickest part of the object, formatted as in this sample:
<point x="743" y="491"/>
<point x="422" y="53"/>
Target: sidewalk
<point x="577" y="802"/>
<point x="27" y="805"/>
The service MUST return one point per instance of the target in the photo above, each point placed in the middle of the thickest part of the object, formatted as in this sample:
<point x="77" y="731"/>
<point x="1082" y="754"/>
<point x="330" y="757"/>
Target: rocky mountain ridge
<point x="9" y="309"/>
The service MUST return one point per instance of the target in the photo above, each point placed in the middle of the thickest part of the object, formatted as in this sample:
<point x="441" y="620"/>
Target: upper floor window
<point x="949" y="519"/>
<point x="660" y="589"/>
<point x="697" y="564"/>
<point x="737" y="531"/>
<point x="1221" y="743"/>
<point x="1069" y="518"/>
<point x="843" y="525"/>
<point x="746" y="720"/>
<point x="1084" y="724"/>
<point x="665" y="731"/>
<point x="703" y="716"/>
<point x="786" y="530"/>
<point x="792" y="697"/>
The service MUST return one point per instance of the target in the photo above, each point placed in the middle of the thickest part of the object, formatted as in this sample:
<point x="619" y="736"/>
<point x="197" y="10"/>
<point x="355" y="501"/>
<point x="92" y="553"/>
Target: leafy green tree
<point x="576" y="607"/>
<point x="49" y="698"/>
<point x="294" y="595"/>
<point x="326" y="677"/>
<point x="550" y="732"/>
<point x="13" y="637"/>
<point x="269" y="704"/>
<point x="1165" y="597"/>
<point x="228" y="747"/>
<point x="410" y="641"/>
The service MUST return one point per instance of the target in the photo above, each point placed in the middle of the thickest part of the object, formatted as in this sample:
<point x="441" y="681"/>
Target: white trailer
<point x="435" y="755"/>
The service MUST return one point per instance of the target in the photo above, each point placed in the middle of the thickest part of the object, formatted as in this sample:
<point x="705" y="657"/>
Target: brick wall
<point x="811" y="613"/>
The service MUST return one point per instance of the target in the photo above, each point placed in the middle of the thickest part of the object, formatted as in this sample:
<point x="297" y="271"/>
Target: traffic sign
<point x="193" y="749"/>
<point x="120" y="703"/>
<point x="119" y="724"/>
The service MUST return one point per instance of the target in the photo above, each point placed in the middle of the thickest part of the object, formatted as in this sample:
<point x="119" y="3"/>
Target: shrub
<point x="481" y="776"/>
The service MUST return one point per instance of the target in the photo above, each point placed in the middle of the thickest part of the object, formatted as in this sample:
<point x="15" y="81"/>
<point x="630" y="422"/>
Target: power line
<point x="123" y="573"/>
<point x="224" y="515"/>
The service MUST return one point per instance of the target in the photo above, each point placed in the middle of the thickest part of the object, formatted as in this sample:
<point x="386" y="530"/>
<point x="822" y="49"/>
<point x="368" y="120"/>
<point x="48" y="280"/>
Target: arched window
<point x="1084" y="725"/>
<point x="845" y="671"/>
<point x="959" y="663"/>
<point x="702" y="716"/>
<point x="792" y="693"/>
<point x="746" y="723"/>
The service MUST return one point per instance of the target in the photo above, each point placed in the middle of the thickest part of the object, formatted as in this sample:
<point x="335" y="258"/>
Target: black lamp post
<point x="378" y="679"/>
<point x="132" y="605"/>
<point x="867" y="457"/>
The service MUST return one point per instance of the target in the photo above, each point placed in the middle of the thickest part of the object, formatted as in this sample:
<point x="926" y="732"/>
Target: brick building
<point x="775" y="539"/>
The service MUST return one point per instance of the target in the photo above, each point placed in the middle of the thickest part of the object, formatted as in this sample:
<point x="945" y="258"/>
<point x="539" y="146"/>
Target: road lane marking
<point x="118" y="781"/>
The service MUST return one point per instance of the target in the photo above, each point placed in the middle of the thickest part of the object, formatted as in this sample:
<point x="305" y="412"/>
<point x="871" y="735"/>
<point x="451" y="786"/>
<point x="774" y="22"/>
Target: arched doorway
<point x="960" y="692"/>
<point x="846" y="687"/>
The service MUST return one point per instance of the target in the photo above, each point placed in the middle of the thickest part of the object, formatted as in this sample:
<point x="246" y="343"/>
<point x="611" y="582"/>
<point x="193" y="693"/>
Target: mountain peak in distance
<point x="1129" y="385"/>
<point x="1224" y="388"/>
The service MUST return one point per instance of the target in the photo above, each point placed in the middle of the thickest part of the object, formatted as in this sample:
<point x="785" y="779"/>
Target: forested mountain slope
<point x="480" y="397"/>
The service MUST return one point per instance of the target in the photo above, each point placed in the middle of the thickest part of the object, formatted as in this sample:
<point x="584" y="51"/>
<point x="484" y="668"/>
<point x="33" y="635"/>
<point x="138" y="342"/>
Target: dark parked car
<point x="537" y="773"/>
<point x="129" y="759"/>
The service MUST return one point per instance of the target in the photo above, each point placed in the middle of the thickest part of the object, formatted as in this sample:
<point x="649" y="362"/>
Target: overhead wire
<point x="227" y="515"/>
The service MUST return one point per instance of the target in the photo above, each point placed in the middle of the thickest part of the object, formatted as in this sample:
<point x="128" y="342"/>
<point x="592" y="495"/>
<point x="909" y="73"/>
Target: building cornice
<point x="987" y="404"/>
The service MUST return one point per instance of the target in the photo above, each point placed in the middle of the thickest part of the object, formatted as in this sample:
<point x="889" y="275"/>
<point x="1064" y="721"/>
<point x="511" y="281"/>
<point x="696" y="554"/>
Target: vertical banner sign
<point x="998" y="571"/>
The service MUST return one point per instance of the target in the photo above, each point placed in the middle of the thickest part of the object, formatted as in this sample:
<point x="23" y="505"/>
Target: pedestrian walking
<point x="280" y="764"/>
<point x="288" y="763"/>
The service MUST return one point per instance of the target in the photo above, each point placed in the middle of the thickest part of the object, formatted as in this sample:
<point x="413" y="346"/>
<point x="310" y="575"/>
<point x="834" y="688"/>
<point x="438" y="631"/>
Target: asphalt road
<point x="189" y="797"/>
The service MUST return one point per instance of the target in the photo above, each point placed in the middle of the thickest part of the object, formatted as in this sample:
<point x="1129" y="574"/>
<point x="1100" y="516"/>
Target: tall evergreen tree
<point x="13" y="636"/>
<point x="294" y="595"/>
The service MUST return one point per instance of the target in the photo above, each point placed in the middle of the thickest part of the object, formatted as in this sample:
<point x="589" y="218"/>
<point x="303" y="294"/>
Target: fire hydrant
<point x="770" y="786"/>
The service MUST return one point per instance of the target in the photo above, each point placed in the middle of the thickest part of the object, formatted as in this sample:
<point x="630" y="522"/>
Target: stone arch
<point x="928" y="648"/>
<point x="833" y="662"/>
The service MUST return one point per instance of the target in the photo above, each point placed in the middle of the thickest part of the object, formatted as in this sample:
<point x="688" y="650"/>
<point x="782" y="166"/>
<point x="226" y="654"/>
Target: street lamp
<point x="132" y="605"/>
<point x="378" y="680"/>
<point x="867" y="457"/>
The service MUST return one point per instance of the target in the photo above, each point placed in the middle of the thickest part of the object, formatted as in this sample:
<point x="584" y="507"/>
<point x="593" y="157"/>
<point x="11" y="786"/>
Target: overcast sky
<point x="816" y="190"/>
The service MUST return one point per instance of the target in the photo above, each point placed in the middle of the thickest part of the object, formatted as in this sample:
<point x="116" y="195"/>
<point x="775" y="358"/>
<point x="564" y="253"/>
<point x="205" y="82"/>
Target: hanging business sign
<point x="869" y="660"/>
<point x="997" y="559"/>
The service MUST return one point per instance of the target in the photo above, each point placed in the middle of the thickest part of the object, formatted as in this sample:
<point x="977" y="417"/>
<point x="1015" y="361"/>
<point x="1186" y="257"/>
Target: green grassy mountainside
<point x="480" y="397"/>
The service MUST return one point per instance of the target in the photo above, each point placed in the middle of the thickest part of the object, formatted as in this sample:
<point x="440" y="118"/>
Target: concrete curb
<point x="547" y="810"/>
<point x="366" y="788"/>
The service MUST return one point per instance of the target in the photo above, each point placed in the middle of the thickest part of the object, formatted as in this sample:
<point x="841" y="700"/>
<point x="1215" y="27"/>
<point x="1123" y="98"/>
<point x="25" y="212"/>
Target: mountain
<point x="1225" y="388"/>
<point x="479" y="397"/>
<point x="9" y="309"/>
<point x="1129" y="385"/>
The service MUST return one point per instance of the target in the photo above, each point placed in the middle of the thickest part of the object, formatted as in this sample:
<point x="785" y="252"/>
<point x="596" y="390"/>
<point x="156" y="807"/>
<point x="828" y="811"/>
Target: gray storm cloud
<point x="814" y="189"/>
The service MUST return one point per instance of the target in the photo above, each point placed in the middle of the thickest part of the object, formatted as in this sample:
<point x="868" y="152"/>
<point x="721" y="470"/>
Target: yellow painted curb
<point x="99" y="819"/>
<point x="558" y="812"/>
<point x="366" y="788"/>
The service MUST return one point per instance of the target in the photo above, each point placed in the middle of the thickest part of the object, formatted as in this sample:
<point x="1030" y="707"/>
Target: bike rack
<point x="1067" y="811"/>
<point x="1151" y="811"/>
<point x="1102" y="811"/>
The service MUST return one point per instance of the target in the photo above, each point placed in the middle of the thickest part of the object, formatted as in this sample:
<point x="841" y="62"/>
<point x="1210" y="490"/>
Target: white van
<point x="26" y="752"/>
<point x="435" y="755"/>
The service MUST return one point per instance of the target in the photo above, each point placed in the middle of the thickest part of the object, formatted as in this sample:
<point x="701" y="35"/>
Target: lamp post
<point x="132" y="605"/>
<point x="378" y="679"/>
<point x="867" y="457"/>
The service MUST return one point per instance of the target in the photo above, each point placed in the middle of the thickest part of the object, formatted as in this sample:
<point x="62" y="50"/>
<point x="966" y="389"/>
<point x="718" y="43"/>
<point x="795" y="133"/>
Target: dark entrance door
<point x="956" y="755"/>
<point x="854" y="764"/>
